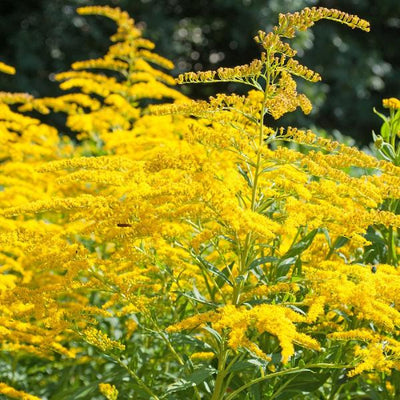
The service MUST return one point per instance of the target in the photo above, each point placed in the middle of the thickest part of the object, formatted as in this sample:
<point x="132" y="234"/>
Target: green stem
<point x="232" y="362"/>
<point x="170" y="347"/>
<point x="260" y="144"/>
<point x="280" y="373"/>
<point x="335" y="392"/>
<point x="282" y="388"/>
<point x="392" y="247"/>
<point x="244" y="254"/>
<point x="137" y="379"/>
<point x="173" y="351"/>
<point x="219" y="381"/>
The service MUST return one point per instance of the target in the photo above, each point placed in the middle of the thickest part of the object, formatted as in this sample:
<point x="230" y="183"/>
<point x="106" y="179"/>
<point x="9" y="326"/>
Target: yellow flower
<point x="109" y="391"/>
<point x="101" y="340"/>
<point x="7" y="69"/>
<point x="15" y="394"/>
<point x="202" y="356"/>
<point x="392" y="103"/>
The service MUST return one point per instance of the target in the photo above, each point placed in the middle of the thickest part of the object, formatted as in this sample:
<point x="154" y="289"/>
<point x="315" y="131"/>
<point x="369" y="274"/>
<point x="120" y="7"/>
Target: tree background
<point x="43" y="37"/>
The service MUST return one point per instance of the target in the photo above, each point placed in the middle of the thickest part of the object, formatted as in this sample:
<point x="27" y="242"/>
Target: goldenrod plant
<point x="183" y="249"/>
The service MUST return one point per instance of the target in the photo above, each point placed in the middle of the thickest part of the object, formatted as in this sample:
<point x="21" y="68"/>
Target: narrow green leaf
<point x="301" y="245"/>
<point x="327" y="236"/>
<point x="262" y="260"/>
<point x="179" y="386"/>
<point x="297" y="309"/>
<point x="284" y="265"/>
<point x="245" y="175"/>
<point x="199" y="375"/>
<point x="339" y="242"/>
<point x="197" y="297"/>
<point x="380" y="115"/>
<point x="214" y="270"/>
<point x="246" y="365"/>
<point x="83" y="392"/>
<point x="388" y="150"/>
<point x="214" y="333"/>
<point x="306" y="382"/>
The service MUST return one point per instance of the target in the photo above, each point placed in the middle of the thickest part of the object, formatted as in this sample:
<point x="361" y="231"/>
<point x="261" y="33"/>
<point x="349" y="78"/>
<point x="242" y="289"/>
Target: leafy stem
<point x="246" y="248"/>
<point x="136" y="378"/>
<point x="219" y="381"/>
<point x="281" y="373"/>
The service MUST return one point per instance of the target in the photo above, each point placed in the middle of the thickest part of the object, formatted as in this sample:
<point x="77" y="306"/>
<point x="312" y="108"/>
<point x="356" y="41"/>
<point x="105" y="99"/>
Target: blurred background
<point x="43" y="37"/>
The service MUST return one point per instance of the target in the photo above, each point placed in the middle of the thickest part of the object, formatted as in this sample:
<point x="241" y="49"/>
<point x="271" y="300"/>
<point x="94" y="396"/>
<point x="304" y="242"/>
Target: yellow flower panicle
<point x="276" y="320"/>
<point x="102" y="341"/>
<point x="272" y="40"/>
<point x="14" y="98"/>
<point x="127" y="29"/>
<point x="237" y="74"/>
<point x="373" y="359"/>
<point x="81" y="202"/>
<point x="137" y="77"/>
<point x="15" y="394"/>
<point x="7" y="69"/>
<point x="392" y="103"/>
<point x="106" y="63"/>
<point x="302" y="20"/>
<point x="282" y="96"/>
<point x="202" y="356"/>
<point x="109" y="391"/>
<point x="295" y="68"/>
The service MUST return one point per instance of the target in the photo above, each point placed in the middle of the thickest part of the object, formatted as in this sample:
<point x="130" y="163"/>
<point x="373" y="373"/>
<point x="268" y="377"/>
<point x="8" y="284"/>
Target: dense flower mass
<point x="185" y="249"/>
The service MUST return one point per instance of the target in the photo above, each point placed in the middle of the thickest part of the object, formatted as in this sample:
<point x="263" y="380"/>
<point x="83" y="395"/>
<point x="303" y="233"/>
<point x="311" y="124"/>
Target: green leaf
<point x="223" y="275"/>
<point x="388" y="150"/>
<point x="201" y="374"/>
<point x="328" y="238"/>
<point x="182" y="338"/>
<point x="81" y="393"/>
<point x="197" y="297"/>
<point x="301" y="245"/>
<point x="262" y="260"/>
<point x="384" y="118"/>
<point x="384" y="156"/>
<point x="244" y="365"/>
<point x="245" y="175"/>
<point x="255" y="390"/>
<point x="268" y="169"/>
<point x="297" y="270"/>
<point x="179" y="386"/>
<point x="284" y="266"/>
<point x="385" y="131"/>
<point x="374" y="394"/>
<point x="339" y="242"/>
<point x="214" y="333"/>
<point x="297" y="309"/>
<point x="305" y="382"/>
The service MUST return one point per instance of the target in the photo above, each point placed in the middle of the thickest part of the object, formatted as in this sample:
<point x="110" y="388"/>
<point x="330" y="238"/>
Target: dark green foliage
<point x="44" y="37"/>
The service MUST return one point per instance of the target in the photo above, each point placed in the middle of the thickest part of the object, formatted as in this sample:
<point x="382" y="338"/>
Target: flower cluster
<point x="169" y="237"/>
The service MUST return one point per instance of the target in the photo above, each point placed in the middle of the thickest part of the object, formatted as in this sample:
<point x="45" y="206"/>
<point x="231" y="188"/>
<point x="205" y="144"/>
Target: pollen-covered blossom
<point x="373" y="359"/>
<point x="202" y="356"/>
<point x="285" y="98"/>
<point x="7" y="69"/>
<point x="101" y="340"/>
<point x="15" y="394"/>
<point x="109" y="391"/>
<point x="276" y="320"/>
<point x="392" y="102"/>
